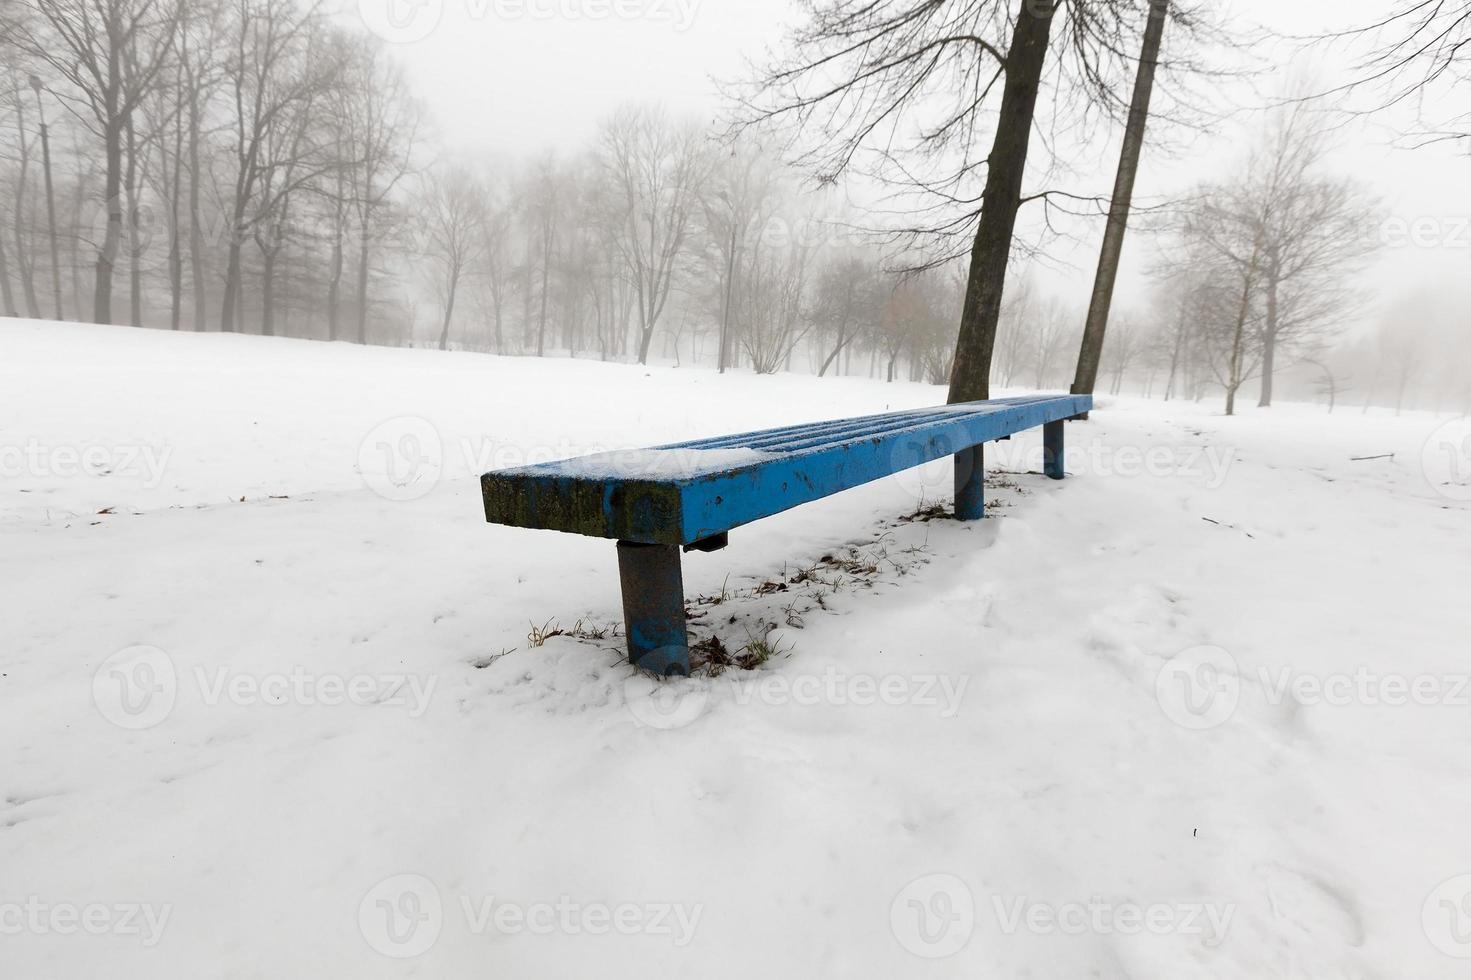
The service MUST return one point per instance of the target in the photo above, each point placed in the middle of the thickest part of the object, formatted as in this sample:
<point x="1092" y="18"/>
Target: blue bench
<point x="689" y="495"/>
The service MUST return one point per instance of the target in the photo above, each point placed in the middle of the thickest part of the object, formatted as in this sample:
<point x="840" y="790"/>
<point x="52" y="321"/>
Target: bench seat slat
<point x="685" y="492"/>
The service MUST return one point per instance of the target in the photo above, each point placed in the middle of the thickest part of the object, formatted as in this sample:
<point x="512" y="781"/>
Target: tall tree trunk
<point x="541" y="322"/>
<point x="1269" y="344"/>
<point x="7" y="298"/>
<point x="970" y="378"/>
<point x="112" y="193"/>
<point x="334" y="283"/>
<point x="79" y="197"/>
<point x="449" y="311"/>
<point x="268" y="294"/>
<point x="135" y="271"/>
<point x="176" y="190"/>
<point x="1175" y="353"/>
<point x="197" y="269"/>
<point x="363" y="276"/>
<point x="1123" y="201"/>
<point x="1238" y="344"/>
<point x="24" y="258"/>
<point x="229" y="303"/>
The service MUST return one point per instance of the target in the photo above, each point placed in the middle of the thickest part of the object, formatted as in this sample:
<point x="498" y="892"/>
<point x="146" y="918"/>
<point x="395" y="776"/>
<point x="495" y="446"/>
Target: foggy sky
<point x="510" y="78"/>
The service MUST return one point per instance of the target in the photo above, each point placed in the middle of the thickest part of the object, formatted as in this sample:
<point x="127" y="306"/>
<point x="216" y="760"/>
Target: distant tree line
<point x="257" y="166"/>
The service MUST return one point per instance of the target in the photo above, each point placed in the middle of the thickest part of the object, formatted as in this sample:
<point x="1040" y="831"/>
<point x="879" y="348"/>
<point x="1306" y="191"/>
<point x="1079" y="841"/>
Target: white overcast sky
<point x="514" y="77"/>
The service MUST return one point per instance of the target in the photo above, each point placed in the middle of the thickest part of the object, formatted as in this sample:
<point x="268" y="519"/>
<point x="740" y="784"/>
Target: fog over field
<point x="863" y="488"/>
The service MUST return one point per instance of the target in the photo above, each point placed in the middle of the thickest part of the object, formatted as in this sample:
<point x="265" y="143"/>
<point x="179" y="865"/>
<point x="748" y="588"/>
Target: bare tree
<point x="495" y="230"/>
<point x="1314" y="237"/>
<point x="454" y="236"/>
<point x="1121" y="203"/>
<point x="1123" y="345"/>
<point x="24" y="223"/>
<point x="655" y="167"/>
<point x="380" y="128"/>
<point x="1050" y="338"/>
<point x="847" y="296"/>
<point x="110" y="52"/>
<point x="1413" y="53"/>
<point x="911" y="82"/>
<point x="280" y="65"/>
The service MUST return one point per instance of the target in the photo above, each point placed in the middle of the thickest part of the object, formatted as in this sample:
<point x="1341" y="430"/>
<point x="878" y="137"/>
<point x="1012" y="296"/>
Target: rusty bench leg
<point x="1052" y="450"/>
<point x="653" y="607"/>
<point x="970" y="483"/>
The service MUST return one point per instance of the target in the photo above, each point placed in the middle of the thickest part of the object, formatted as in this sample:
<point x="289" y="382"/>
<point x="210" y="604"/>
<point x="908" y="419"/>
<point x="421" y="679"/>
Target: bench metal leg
<point x="970" y="483"/>
<point x="1052" y="450"/>
<point x="653" y="607"/>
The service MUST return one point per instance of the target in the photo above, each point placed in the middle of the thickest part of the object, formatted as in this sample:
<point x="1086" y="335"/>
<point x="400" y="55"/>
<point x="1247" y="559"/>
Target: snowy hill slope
<point x="269" y="705"/>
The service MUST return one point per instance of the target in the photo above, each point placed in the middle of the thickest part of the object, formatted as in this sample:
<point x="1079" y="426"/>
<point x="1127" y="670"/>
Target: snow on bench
<point x="691" y="494"/>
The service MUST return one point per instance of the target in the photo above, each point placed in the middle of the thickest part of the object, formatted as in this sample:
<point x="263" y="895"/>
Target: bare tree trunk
<point x="1238" y="340"/>
<point x="135" y="272"/>
<point x="1175" y="353"/>
<point x="24" y="260"/>
<point x="230" y="302"/>
<point x="1269" y="344"/>
<point x="176" y="247"/>
<point x="449" y="311"/>
<point x="970" y="378"/>
<point x="112" y="194"/>
<point x="1096" y="325"/>
<point x="196" y="230"/>
<point x="363" y="277"/>
<point x="541" y="323"/>
<point x="334" y="282"/>
<point x="268" y="294"/>
<point x="6" y="296"/>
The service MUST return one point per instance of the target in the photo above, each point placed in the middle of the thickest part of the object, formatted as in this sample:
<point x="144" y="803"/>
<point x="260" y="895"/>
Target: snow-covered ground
<point x="269" y="706"/>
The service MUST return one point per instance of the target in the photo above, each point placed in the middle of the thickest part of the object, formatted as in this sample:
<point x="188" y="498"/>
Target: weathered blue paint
<point x="1052" y="450"/>
<point x="803" y="463"/>
<point x="970" y="484"/>
<point x="653" y="516"/>
<point x="653" y="607"/>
